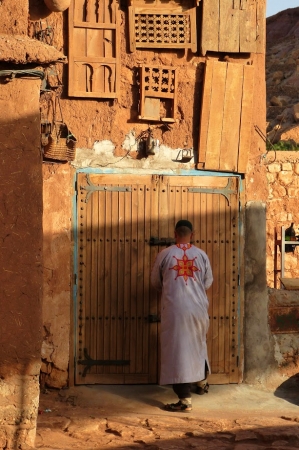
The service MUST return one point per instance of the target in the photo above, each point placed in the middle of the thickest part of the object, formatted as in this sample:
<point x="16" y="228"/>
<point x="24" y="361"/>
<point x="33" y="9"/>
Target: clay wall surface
<point x="107" y="132"/>
<point x="20" y="261"/>
<point x="57" y="216"/>
<point x="14" y="17"/>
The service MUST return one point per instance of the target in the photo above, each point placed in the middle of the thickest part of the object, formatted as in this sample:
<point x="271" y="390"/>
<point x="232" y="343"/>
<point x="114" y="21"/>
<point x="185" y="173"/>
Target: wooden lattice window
<point x="94" y="45"/>
<point x="158" y="93"/>
<point x="159" y="26"/>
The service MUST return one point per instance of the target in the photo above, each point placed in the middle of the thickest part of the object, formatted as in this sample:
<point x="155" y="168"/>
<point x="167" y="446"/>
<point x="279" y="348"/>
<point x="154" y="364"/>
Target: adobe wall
<point x="20" y="261"/>
<point x="57" y="282"/>
<point x="107" y="132"/>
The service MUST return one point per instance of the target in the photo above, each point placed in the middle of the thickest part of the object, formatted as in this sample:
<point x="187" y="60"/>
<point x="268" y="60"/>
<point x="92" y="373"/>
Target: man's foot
<point x="178" y="407"/>
<point x="200" y="390"/>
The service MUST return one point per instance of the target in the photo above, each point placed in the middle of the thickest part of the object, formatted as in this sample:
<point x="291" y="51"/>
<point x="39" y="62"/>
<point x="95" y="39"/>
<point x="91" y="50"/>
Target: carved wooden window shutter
<point x="158" y="93"/>
<point x="94" y="45"/>
<point x="162" y="24"/>
<point x="226" y="117"/>
<point x="233" y="26"/>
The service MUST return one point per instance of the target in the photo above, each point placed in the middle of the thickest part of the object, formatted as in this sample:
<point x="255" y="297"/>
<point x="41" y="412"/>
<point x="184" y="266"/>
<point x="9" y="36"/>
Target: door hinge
<point x="75" y="278"/>
<point x="238" y="361"/>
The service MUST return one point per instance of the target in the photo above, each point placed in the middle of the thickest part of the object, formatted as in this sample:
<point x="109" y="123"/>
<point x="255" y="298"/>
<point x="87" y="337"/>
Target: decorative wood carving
<point x="162" y="25"/>
<point x="94" y="46"/>
<point x="158" y="93"/>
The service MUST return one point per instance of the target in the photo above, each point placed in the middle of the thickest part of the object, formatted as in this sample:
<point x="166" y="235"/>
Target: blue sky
<point x="274" y="6"/>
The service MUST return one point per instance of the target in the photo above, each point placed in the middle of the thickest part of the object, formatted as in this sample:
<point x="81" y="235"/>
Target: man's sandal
<point x="178" y="407"/>
<point x="202" y="390"/>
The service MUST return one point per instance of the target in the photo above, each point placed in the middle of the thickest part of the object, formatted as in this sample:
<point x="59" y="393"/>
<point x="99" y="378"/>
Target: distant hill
<point x="282" y="75"/>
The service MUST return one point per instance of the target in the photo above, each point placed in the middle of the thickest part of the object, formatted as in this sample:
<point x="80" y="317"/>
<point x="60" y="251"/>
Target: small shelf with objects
<point x="286" y="244"/>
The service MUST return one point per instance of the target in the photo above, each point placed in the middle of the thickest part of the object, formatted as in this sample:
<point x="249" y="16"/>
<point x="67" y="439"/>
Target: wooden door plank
<point x="216" y="116"/>
<point x="233" y="280"/>
<point x="171" y="206"/>
<point x="190" y="212"/>
<point x="140" y="275"/>
<point x="217" y="305"/>
<point x="219" y="378"/>
<point x="230" y="295"/>
<point x="208" y="218"/>
<point x="229" y="27"/>
<point x="154" y="306"/>
<point x="210" y="28"/>
<point x="223" y="343"/>
<point x="88" y="287"/>
<point x="127" y="279"/>
<point x="248" y="31"/>
<point x="146" y="281"/>
<point x="224" y="298"/>
<point x="260" y="27"/>
<point x="80" y="310"/>
<point x="101" y="278"/>
<point x="205" y="112"/>
<point x="94" y="243"/>
<point x="120" y="277"/>
<point x="134" y="271"/>
<point x="246" y="118"/>
<point x="113" y="278"/>
<point x="108" y="263"/>
<point x="231" y="118"/>
<point x="240" y="273"/>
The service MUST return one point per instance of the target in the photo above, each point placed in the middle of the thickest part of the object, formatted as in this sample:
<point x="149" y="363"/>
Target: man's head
<point x="183" y="230"/>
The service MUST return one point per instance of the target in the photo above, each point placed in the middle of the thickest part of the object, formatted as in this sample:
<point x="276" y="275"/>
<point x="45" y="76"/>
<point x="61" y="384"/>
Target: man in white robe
<point x="183" y="273"/>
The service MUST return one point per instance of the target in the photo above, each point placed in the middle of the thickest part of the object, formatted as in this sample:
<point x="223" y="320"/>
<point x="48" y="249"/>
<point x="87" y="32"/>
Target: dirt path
<point x="115" y="417"/>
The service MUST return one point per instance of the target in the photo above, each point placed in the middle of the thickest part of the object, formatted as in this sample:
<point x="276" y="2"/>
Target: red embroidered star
<point x="185" y="267"/>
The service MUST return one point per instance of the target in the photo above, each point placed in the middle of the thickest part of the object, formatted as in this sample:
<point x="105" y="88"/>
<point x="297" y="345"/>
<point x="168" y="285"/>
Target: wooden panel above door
<point x="226" y="117"/>
<point x="235" y="26"/>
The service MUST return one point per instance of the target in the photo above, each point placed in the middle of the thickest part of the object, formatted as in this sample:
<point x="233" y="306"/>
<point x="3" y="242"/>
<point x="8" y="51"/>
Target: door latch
<point x="153" y="318"/>
<point x="161" y="241"/>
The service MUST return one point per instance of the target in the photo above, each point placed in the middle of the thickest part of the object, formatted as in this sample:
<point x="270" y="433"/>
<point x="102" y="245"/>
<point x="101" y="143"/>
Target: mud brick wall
<point x="20" y="261"/>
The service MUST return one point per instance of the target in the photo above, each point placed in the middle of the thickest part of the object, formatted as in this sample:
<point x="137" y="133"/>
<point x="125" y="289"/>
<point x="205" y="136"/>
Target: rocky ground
<point x="282" y="76"/>
<point x="234" y="417"/>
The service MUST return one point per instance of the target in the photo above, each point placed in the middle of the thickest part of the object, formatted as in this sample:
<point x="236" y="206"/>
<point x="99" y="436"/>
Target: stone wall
<point x="283" y="323"/>
<point x="282" y="207"/>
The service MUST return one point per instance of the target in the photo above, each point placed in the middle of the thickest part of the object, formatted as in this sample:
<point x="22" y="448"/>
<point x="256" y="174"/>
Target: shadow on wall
<point x="289" y="390"/>
<point x="20" y="259"/>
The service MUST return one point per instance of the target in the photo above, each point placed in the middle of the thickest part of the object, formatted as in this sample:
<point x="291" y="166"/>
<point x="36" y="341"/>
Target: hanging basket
<point x="62" y="143"/>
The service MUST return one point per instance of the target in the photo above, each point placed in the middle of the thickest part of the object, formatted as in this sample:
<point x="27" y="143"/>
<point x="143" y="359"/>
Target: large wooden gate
<point x="123" y="222"/>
